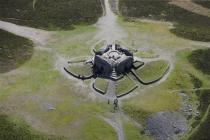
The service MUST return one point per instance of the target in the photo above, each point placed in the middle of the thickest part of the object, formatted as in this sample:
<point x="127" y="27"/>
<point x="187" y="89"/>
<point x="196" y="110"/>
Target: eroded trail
<point x="115" y="122"/>
<point x="110" y="31"/>
<point x="111" y="90"/>
<point x="39" y="37"/>
<point x="192" y="7"/>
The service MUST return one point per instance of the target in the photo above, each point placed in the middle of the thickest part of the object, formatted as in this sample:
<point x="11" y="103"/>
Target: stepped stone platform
<point x="112" y="64"/>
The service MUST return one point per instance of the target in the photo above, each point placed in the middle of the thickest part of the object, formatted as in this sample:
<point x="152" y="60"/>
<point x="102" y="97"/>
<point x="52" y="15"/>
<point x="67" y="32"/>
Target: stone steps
<point x="114" y="74"/>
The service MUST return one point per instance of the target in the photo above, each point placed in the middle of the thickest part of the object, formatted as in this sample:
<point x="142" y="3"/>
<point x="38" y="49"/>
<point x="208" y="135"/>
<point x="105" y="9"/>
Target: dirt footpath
<point x="39" y="37"/>
<point x="192" y="7"/>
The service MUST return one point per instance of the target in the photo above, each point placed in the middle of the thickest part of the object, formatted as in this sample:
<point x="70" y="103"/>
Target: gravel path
<point x="110" y="31"/>
<point x="111" y="94"/>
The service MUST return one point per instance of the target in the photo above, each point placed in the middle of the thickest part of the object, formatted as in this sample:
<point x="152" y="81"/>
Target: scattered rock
<point x="184" y="96"/>
<point x="186" y="109"/>
<point x="166" y="125"/>
<point x="48" y="107"/>
<point x="197" y="113"/>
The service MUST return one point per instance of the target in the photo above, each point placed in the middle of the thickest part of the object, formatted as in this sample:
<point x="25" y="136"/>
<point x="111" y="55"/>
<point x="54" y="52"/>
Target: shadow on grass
<point x="50" y="14"/>
<point x="200" y="59"/>
<point x="187" y="24"/>
<point x="14" y="51"/>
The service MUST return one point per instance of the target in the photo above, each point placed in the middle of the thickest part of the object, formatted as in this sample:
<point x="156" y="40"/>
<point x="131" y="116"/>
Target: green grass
<point x="153" y="34"/>
<point x="124" y="85"/>
<point x="146" y="54"/>
<point x="184" y="77"/>
<point x="187" y="24"/>
<point x="14" y="51"/>
<point x="138" y="64"/>
<point x="75" y="43"/>
<point x="199" y="61"/>
<point x="97" y="129"/>
<point x="81" y="69"/>
<point x="41" y="75"/>
<point x="101" y="84"/>
<point x="152" y="71"/>
<point x="201" y="131"/>
<point x="16" y="129"/>
<point x="38" y="83"/>
<point x="51" y="14"/>
<point x="154" y="100"/>
<point x="133" y="133"/>
<point x="100" y="45"/>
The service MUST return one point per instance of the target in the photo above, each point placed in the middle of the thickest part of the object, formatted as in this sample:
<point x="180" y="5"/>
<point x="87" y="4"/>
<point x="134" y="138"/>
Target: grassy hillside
<point x="50" y="14"/>
<point x="166" y="96"/>
<point x="187" y="25"/>
<point x="33" y="90"/>
<point x="200" y="60"/>
<point x="202" y="131"/>
<point x="14" y="51"/>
